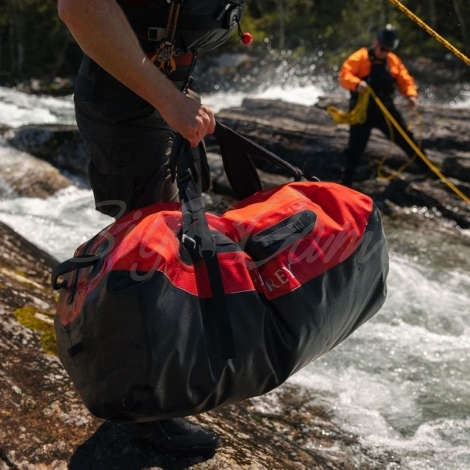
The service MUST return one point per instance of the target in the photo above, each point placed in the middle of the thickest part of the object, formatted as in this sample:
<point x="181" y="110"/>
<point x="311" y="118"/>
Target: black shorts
<point x="128" y="141"/>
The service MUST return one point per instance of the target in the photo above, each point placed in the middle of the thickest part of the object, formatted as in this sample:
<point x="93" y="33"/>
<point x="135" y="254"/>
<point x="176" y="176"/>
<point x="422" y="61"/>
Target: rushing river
<point x="401" y="382"/>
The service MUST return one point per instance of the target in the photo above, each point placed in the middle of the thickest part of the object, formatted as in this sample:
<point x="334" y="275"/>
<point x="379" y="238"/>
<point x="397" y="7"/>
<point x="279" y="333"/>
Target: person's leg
<point x="399" y="139"/>
<point x="129" y="145"/>
<point x="128" y="142"/>
<point x="358" y="137"/>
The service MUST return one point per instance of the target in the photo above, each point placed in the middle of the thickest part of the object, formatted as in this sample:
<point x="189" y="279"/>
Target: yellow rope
<point x="417" y="150"/>
<point x="358" y="116"/>
<point x="395" y="173"/>
<point x="449" y="46"/>
<point x="430" y="31"/>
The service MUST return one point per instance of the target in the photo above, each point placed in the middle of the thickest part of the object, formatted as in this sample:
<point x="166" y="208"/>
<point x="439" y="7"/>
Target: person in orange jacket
<point x="382" y="70"/>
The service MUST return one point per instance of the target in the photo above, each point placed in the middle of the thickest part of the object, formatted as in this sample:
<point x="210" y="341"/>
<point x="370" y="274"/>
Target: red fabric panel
<point x="146" y="240"/>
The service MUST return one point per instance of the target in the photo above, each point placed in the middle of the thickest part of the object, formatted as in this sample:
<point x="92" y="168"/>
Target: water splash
<point x="58" y="224"/>
<point x="307" y="96"/>
<point x="19" y="109"/>
<point x="401" y="381"/>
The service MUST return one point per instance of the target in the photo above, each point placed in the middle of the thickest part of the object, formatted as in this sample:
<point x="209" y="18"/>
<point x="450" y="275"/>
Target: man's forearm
<point x="103" y="32"/>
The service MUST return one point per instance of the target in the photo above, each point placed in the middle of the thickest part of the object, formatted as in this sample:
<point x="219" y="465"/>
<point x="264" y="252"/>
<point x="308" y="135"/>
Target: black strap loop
<point x="240" y="170"/>
<point x="72" y="264"/>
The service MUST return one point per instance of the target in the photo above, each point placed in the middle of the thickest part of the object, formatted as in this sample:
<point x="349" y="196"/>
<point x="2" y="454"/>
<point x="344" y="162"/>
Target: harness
<point x="380" y="78"/>
<point x="172" y="32"/>
<point x="381" y="81"/>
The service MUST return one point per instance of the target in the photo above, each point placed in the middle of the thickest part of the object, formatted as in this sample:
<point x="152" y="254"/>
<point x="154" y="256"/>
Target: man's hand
<point x="190" y="118"/>
<point x="362" y="86"/>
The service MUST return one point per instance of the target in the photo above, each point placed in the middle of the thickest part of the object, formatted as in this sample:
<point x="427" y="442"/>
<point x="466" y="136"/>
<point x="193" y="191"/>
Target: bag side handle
<point x="241" y="172"/>
<point x="72" y="264"/>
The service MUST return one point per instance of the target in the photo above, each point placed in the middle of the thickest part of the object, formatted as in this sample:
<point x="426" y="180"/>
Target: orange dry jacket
<point x="358" y="66"/>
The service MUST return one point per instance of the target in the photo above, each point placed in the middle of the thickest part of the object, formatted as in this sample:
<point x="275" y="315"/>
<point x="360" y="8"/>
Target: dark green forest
<point x="34" y="42"/>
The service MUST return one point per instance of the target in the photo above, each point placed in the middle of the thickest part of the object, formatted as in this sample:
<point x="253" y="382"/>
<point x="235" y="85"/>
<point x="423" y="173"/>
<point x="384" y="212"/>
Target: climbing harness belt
<point x="163" y="57"/>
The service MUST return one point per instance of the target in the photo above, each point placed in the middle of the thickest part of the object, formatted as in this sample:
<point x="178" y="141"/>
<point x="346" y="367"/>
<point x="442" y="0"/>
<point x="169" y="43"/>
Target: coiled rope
<point x="357" y="115"/>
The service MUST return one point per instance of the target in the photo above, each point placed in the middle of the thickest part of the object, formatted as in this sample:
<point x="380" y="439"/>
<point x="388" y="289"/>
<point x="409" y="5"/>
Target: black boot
<point x="350" y="164"/>
<point x="176" y="436"/>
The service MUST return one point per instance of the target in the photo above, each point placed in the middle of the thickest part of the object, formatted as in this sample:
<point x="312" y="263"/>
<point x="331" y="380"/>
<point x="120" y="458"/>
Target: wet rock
<point x="307" y="135"/>
<point x="60" y="145"/>
<point x="44" y="425"/>
<point x="4" y="129"/>
<point x="28" y="176"/>
<point x="458" y="166"/>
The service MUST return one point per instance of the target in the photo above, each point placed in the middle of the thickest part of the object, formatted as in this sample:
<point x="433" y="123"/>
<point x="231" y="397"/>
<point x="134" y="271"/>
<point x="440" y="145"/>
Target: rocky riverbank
<point x="43" y="424"/>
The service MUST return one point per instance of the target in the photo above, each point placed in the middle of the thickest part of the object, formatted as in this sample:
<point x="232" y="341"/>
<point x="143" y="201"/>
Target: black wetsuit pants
<point x="128" y="141"/>
<point x="359" y="135"/>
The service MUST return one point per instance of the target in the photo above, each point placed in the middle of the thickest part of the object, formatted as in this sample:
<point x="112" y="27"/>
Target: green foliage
<point x="42" y="323"/>
<point x="34" y="42"/>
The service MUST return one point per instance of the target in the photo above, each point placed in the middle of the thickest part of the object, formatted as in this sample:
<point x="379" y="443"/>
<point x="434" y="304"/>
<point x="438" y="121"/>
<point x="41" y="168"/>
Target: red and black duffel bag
<point x="171" y="311"/>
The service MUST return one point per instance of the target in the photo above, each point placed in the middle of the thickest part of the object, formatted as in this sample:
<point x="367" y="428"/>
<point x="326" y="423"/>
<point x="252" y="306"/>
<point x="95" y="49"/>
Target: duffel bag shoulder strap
<point x="241" y="172"/>
<point x="196" y="237"/>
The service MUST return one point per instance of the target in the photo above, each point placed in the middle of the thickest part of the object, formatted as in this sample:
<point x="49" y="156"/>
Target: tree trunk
<point x="463" y="28"/>
<point x="16" y="34"/>
<point x="282" y="24"/>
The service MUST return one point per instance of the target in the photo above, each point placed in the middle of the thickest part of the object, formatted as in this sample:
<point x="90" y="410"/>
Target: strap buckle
<point x="155" y="33"/>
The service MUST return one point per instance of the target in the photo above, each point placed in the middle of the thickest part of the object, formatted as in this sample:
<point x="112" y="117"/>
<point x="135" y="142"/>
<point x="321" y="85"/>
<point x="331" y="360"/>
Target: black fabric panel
<point x="113" y="354"/>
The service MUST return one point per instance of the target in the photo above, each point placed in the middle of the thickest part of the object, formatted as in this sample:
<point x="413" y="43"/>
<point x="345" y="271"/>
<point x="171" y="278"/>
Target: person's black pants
<point x="128" y="141"/>
<point x="359" y="135"/>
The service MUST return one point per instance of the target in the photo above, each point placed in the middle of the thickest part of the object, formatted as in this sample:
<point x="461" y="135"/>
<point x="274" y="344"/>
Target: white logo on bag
<point x="279" y="278"/>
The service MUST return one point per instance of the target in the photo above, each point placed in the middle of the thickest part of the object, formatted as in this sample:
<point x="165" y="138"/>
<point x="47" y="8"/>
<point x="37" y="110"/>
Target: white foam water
<point x="19" y="109"/>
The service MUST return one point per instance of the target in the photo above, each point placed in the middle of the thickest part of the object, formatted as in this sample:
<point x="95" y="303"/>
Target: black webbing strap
<point x="72" y="264"/>
<point x="196" y="236"/>
<point x="240" y="170"/>
<point x="82" y="260"/>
